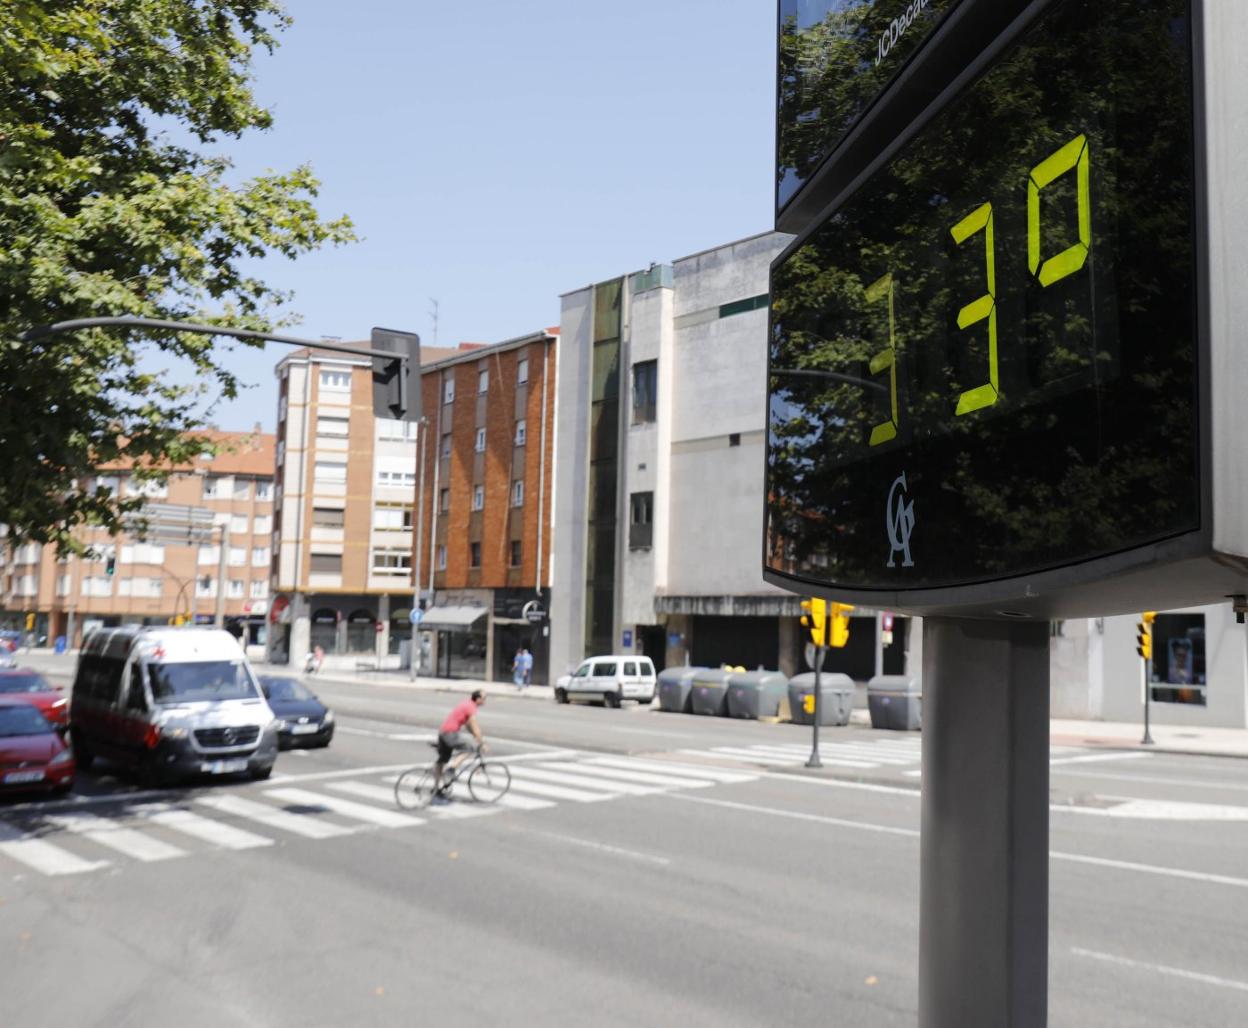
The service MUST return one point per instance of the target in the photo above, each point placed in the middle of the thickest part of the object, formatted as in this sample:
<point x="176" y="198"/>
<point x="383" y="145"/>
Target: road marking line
<point x="262" y="813"/>
<point x="347" y="808"/>
<point x="1178" y="783"/>
<point x="836" y="783"/>
<point x="317" y="776"/>
<point x="108" y="833"/>
<point x="715" y="774"/>
<point x="43" y="856"/>
<point x="1160" y="810"/>
<point x="856" y="751"/>
<point x="1092" y="758"/>
<point x="639" y="777"/>
<point x="557" y="792"/>
<point x="582" y="781"/>
<point x="755" y="757"/>
<point x="225" y="836"/>
<point x="383" y="795"/>
<point x="1165" y="872"/>
<point x="616" y="851"/>
<point x="866" y="826"/>
<point x="1176" y="972"/>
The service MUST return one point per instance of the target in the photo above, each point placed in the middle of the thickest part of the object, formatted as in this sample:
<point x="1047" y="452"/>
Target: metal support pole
<point x="1146" y="666"/>
<point x="814" y="760"/>
<point x="984" y="866"/>
<point x="219" y="618"/>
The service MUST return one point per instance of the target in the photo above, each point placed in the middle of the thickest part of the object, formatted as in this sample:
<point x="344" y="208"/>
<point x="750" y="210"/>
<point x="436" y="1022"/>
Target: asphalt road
<point x="655" y="869"/>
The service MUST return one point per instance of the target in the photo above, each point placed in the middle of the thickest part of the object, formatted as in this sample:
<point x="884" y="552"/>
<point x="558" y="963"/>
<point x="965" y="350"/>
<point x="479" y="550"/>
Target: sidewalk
<point x="1185" y="739"/>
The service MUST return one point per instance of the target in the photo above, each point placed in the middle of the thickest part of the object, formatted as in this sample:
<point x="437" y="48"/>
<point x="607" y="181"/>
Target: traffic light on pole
<point x="840" y="623"/>
<point x="1144" y="634"/>
<point x="110" y="565"/>
<point x="30" y="622"/>
<point x="815" y="620"/>
<point x="396" y="381"/>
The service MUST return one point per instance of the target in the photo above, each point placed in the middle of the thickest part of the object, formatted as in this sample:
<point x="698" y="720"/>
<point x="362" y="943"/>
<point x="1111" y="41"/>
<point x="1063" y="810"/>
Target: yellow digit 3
<point x="977" y="310"/>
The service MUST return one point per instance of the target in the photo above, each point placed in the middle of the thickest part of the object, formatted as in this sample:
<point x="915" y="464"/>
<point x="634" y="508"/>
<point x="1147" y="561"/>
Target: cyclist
<point x="452" y="738"/>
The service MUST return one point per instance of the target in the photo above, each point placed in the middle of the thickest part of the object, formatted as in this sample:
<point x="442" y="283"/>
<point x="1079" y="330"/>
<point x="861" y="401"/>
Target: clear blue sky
<point x="495" y="155"/>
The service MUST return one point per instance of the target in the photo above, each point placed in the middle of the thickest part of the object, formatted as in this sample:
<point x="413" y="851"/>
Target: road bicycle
<point x="487" y="781"/>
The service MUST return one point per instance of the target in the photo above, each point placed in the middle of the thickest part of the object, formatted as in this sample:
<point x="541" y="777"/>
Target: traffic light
<point x="30" y="622"/>
<point x="815" y="619"/>
<point x="840" y="624"/>
<point x="1144" y="634"/>
<point x="110" y="565"/>
<point x="396" y="382"/>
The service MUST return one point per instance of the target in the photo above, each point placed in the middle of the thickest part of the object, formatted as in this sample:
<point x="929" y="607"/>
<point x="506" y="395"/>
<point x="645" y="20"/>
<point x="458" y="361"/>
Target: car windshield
<point x="286" y="689"/>
<point x="23" y="721"/>
<point x="200" y="680"/>
<point x="24" y="683"/>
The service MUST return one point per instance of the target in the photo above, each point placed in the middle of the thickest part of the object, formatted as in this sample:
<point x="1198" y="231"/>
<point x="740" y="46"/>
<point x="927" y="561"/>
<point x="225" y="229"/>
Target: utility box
<point x="710" y="691"/>
<point x="895" y="702"/>
<point x="676" y="689"/>
<point x="836" y="698"/>
<point x="755" y="694"/>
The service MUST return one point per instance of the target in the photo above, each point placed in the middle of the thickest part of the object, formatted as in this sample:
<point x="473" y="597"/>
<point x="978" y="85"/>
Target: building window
<point x="444" y="501"/>
<point x="242" y="488"/>
<point x="645" y="391"/>
<point x="336" y="381"/>
<point x="149" y="488"/>
<point x="392" y="518"/>
<point x="448" y="390"/>
<point x="483" y="380"/>
<point x="209" y="555"/>
<point x="109" y="483"/>
<point x="446" y="445"/>
<point x="521" y="432"/>
<point x="260" y="556"/>
<point x="238" y="557"/>
<point x="396" y="431"/>
<point x="264" y="490"/>
<point x="327" y="426"/>
<point x="392" y="562"/>
<point x="517" y="493"/>
<point x="474" y="555"/>
<point x="326" y="564"/>
<point x="240" y="524"/>
<point x="259" y="589"/>
<point x="205" y="585"/>
<point x="62" y="585"/>
<point x="640" y="517"/>
<point x="142" y="553"/>
<point x="522" y="370"/>
<point x="212" y="487"/>
<point x="515" y="553"/>
<point x="479" y="445"/>
<point x="396" y="478"/>
<point x="330" y="471"/>
<point x="441" y="558"/>
<point x="734" y="438"/>
<point x="235" y="588"/>
<point x="263" y="524"/>
<point x="1178" y="667"/>
<point x="478" y="497"/>
<point x="326" y="517"/>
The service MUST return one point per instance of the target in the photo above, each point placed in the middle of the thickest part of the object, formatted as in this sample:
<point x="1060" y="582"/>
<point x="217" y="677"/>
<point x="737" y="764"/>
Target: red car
<point x="33" y="756"/>
<point x="36" y="690"/>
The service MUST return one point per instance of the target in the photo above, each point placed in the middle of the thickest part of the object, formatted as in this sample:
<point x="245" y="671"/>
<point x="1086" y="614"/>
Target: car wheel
<point x="83" y="757"/>
<point x="561" y="695"/>
<point x="612" y="700"/>
<point x="148" y="775"/>
<point x="259" y="774"/>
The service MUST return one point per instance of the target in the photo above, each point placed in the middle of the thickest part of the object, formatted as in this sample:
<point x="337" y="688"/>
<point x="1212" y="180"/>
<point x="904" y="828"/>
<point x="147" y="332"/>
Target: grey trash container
<point x="676" y="688"/>
<point x="836" y="698"/>
<point x="896" y="702"/>
<point x="755" y="694"/>
<point x="710" y="691"/>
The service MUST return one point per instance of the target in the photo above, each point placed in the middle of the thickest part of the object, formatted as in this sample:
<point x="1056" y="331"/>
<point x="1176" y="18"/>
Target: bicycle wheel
<point x="487" y="783"/>
<point x="414" y="789"/>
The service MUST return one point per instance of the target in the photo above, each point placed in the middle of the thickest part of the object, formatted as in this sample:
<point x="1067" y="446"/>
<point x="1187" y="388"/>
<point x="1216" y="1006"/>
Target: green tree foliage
<point x="106" y="209"/>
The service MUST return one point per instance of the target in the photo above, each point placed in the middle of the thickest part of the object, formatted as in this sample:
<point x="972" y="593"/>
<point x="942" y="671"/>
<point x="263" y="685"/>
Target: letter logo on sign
<point x="899" y="519"/>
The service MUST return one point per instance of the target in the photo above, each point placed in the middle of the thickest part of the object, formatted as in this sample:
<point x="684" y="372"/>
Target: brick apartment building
<point x="484" y="491"/>
<point x="155" y="582"/>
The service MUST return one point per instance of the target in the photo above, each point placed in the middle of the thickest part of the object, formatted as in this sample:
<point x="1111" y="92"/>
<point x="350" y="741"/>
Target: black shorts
<point x="450" y="743"/>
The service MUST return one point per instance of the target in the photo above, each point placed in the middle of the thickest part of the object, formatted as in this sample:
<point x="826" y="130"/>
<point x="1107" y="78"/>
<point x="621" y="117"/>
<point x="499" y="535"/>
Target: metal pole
<point x="814" y="760"/>
<point x="1146" y="666"/>
<point x="421" y="441"/>
<point x="984" y="863"/>
<point x="219" y="618"/>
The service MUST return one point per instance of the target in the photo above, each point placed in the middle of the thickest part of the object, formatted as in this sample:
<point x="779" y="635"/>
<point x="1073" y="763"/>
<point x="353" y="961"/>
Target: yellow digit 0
<point x="1073" y="155"/>
<point x="886" y="360"/>
<point x="977" y="310"/>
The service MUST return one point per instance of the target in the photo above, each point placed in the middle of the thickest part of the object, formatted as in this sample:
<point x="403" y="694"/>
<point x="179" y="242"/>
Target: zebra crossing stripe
<point x="347" y="808"/>
<point x="110" y="834"/>
<point x="754" y="757"/>
<point x="202" y="828"/>
<point x="272" y="817"/>
<point x="558" y="792"/>
<point x="381" y="794"/>
<point x="640" y="777"/>
<point x="715" y="774"/>
<point x="581" y="781"/>
<point x="42" y="856"/>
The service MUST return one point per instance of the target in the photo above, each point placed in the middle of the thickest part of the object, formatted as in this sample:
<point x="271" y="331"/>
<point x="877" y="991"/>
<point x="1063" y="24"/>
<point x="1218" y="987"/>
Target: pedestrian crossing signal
<point x="815" y="620"/>
<point x="1144" y="635"/>
<point x="840" y="624"/>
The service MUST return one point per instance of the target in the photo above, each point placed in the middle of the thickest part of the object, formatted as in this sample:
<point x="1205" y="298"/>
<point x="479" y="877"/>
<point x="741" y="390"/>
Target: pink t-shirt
<point x="459" y="716"/>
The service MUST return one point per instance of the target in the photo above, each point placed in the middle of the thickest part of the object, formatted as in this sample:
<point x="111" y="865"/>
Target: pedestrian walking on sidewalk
<point x="517" y="669"/>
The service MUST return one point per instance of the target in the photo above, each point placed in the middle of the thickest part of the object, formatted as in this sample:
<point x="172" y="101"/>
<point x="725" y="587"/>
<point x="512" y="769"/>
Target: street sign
<point x="396" y="382"/>
<point x="533" y="612"/>
<point x="628" y="639"/>
<point x="415" y="616"/>
<point x="992" y="354"/>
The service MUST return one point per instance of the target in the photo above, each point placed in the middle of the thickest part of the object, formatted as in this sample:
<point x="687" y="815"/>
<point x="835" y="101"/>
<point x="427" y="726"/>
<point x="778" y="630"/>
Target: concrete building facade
<point x="157" y="582"/>
<point x="484" y="507"/>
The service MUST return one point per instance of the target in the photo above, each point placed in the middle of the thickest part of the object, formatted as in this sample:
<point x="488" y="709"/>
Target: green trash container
<point x="836" y="698"/>
<point x="755" y="694"/>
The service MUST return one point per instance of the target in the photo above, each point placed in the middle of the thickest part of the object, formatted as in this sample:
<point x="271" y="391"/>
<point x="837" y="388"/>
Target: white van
<point x="610" y="679"/>
<point x="170" y="702"/>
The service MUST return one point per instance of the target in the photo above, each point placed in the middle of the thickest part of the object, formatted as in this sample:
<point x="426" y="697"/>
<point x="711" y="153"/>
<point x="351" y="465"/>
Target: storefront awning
<point x="451" y="619"/>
